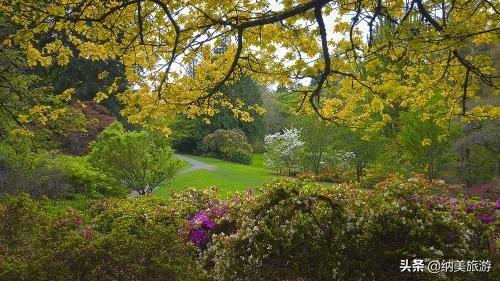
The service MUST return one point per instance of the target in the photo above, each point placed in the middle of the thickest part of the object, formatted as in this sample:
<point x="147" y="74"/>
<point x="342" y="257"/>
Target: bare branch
<point x="464" y="96"/>
<point x="173" y="54"/>
<point x="139" y="16"/>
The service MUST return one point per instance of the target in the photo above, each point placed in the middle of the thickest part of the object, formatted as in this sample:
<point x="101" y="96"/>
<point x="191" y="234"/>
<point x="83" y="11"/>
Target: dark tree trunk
<point x="359" y="173"/>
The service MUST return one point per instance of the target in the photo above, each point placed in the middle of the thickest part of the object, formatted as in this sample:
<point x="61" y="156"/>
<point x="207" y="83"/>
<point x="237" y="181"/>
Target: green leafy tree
<point x="187" y="134"/>
<point x="356" y="150"/>
<point x="29" y="104"/>
<point x="317" y="137"/>
<point x="426" y="146"/>
<point x="479" y="152"/>
<point x="140" y="161"/>
<point x="278" y="114"/>
<point x="248" y="91"/>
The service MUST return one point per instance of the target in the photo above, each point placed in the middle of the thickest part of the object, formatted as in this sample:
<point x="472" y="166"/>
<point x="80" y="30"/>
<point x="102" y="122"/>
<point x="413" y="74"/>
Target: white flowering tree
<point x="345" y="159"/>
<point x="283" y="150"/>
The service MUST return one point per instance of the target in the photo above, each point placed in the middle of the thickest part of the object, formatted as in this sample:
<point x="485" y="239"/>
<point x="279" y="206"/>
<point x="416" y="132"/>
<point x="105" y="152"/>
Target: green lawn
<point x="80" y="203"/>
<point x="228" y="177"/>
<point x="184" y="165"/>
<point x="258" y="160"/>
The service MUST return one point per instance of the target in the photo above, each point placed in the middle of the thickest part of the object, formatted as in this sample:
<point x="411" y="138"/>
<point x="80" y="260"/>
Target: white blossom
<point x="283" y="149"/>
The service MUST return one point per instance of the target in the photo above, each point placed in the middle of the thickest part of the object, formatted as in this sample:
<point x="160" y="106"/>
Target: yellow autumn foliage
<point x="360" y="81"/>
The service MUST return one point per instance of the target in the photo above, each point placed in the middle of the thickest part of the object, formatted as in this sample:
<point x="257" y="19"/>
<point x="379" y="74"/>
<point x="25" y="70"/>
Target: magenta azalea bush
<point x="286" y="230"/>
<point x="202" y="224"/>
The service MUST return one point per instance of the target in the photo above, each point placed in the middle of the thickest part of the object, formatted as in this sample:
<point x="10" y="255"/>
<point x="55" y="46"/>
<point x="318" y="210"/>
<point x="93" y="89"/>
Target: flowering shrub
<point x="283" y="234"/>
<point x="300" y="231"/>
<point x="328" y="176"/>
<point x="202" y="224"/>
<point x="288" y="230"/>
<point x="126" y="239"/>
<point x="415" y="219"/>
<point x="306" y="176"/>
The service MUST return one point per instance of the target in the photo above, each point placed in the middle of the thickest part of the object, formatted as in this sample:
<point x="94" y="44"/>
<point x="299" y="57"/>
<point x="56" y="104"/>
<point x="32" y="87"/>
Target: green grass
<point x="184" y="165"/>
<point x="80" y="203"/>
<point x="228" y="177"/>
<point x="258" y="160"/>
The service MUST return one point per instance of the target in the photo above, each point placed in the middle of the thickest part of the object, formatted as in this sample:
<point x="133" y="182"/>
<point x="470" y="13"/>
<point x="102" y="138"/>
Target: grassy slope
<point x="228" y="177"/>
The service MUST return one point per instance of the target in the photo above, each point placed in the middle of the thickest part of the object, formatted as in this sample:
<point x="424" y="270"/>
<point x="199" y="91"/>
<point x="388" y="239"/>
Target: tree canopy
<point x="431" y="47"/>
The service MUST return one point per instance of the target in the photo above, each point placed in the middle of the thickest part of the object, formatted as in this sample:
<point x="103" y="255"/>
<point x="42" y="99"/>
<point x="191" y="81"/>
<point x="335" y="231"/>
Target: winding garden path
<point x="195" y="164"/>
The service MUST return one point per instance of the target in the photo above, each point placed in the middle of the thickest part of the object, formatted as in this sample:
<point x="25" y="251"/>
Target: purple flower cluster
<point x="488" y="219"/>
<point x="482" y="209"/>
<point x="485" y="212"/>
<point x="199" y="229"/>
<point x="87" y="233"/>
<point x="78" y="221"/>
<point x="202" y="223"/>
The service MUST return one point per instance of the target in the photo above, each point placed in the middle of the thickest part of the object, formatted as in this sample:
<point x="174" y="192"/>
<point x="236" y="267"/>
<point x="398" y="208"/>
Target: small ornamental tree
<point x="283" y="150"/>
<point x="138" y="160"/>
<point x="317" y="137"/>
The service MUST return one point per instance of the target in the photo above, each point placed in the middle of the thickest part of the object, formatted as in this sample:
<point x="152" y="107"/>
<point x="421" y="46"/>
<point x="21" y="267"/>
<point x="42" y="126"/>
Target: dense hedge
<point x="126" y="240"/>
<point x="287" y="230"/>
<point x="230" y="145"/>
<point x="53" y="175"/>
